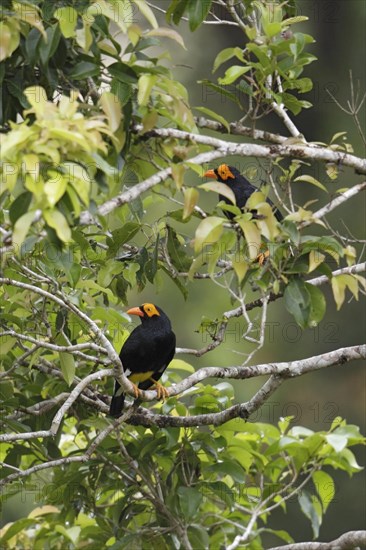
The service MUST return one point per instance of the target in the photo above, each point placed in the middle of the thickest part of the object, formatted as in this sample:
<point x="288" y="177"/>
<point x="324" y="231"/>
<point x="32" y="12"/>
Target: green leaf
<point x="306" y="502"/>
<point x="208" y="232"/>
<point x="67" y="363"/>
<point x="271" y="29"/>
<point x="252" y="236"/>
<point x="9" y="40"/>
<point x="112" y="108"/>
<point x="17" y="527"/>
<point x="48" y="46"/>
<point x="337" y="441"/>
<point x="240" y="267"/>
<point x="297" y="301"/>
<point x="179" y="364"/>
<point x="339" y="290"/>
<point x="325" y="487"/>
<point x="198" y="536"/>
<point x="189" y="501"/>
<point x="145" y="84"/>
<point x="313" y="181"/>
<point x="67" y="17"/>
<point x="121" y="236"/>
<point x="55" y="187"/>
<point x="220" y="188"/>
<point x="177" y="251"/>
<point x="318" y="304"/>
<point x="20" y="206"/>
<point x="84" y="69"/>
<point x="233" y="74"/>
<point x="146" y="12"/>
<point x="197" y="12"/>
<point x="227" y="54"/>
<point x="167" y="33"/>
<point x="21" y="228"/>
<point x="215" y="116"/>
<point x="58" y="222"/>
<point x="191" y="196"/>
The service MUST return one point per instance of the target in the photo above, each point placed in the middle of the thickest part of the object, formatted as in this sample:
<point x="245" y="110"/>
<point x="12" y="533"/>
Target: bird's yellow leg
<point x="136" y="391"/>
<point x="262" y="256"/>
<point x="160" y="390"/>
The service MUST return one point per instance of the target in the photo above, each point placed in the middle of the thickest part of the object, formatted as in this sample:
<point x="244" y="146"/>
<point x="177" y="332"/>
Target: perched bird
<point x="240" y="186"/>
<point x="146" y="354"/>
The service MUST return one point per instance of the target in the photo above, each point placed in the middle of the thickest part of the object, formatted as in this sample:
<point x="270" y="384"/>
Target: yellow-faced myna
<point x="240" y="186"/>
<point x="146" y="354"/>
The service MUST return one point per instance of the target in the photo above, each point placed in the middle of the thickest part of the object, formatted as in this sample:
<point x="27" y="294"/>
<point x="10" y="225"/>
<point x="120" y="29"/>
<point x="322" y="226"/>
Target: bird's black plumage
<point x="240" y="186"/>
<point x="146" y="353"/>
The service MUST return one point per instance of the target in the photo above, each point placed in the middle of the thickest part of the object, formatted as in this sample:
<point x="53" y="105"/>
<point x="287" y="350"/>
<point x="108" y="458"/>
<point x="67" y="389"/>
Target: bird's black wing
<point x="166" y="352"/>
<point x="131" y="350"/>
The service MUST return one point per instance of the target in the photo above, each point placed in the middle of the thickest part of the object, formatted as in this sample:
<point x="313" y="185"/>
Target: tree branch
<point x="280" y="148"/>
<point x="298" y="150"/>
<point x="339" y="199"/>
<point x="237" y="312"/>
<point x="347" y="541"/>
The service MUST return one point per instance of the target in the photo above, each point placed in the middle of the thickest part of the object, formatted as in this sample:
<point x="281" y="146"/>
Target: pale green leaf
<point x="54" y="187"/>
<point x="145" y="85"/>
<point x="179" y="364"/>
<point x="227" y="54"/>
<point x="112" y="108"/>
<point x="325" y="487"/>
<point x="240" y="267"/>
<point x="208" y="232"/>
<point x="315" y="259"/>
<point x="338" y="442"/>
<point x="67" y="363"/>
<point x="21" y="228"/>
<point x="164" y="32"/>
<point x="146" y="12"/>
<point x="232" y="74"/>
<point x="191" y="196"/>
<point x="220" y="188"/>
<point x="312" y="180"/>
<point x="67" y="17"/>
<point x="252" y="236"/>
<point x="58" y="222"/>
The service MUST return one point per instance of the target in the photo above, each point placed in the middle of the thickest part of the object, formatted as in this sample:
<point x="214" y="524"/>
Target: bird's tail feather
<point x="117" y="402"/>
<point x="116" y="406"/>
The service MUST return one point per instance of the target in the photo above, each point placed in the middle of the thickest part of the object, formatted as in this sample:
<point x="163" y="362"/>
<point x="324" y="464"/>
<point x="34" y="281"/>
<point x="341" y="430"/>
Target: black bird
<point x="240" y="186"/>
<point x="146" y="354"/>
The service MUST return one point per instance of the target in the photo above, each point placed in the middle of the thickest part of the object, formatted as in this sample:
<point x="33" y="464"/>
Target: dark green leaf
<point x="20" y="206"/>
<point x="177" y="252"/>
<point x="47" y="49"/>
<point x="297" y="301"/>
<point x="121" y="236"/>
<point x="189" y="501"/>
<point x="197" y="12"/>
<point x="83" y="70"/>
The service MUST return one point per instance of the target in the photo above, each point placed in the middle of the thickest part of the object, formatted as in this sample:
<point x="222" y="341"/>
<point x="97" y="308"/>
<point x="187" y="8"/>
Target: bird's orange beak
<point x="135" y="311"/>
<point x="210" y="174"/>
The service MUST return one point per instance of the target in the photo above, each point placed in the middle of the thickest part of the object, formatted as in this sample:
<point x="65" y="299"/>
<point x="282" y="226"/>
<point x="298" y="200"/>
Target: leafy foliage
<point x="96" y="203"/>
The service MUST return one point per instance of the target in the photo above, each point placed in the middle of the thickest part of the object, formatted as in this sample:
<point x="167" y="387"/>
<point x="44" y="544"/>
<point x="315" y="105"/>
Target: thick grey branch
<point x="339" y="199"/>
<point x="298" y="150"/>
<point x="347" y="541"/>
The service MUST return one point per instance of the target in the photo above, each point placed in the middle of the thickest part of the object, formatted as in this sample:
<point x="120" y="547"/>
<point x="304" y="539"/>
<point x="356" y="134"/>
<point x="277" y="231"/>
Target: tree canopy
<point x="102" y="159"/>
